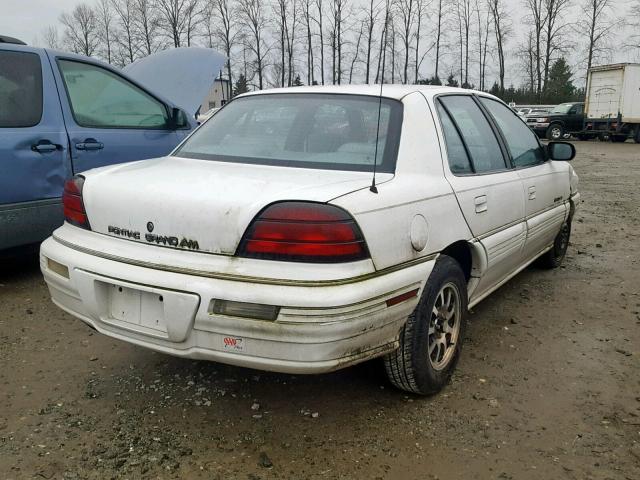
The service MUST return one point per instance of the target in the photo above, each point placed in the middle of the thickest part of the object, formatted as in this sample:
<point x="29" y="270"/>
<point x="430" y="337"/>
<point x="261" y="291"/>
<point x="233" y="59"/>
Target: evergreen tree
<point x="240" y="86"/>
<point x="451" y="81"/>
<point x="297" y="82"/>
<point x="559" y="88"/>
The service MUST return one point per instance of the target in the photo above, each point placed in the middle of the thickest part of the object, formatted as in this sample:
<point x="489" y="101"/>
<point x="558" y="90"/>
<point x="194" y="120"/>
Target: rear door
<point x="546" y="183"/>
<point x="110" y="119"/>
<point x="488" y="190"/>
<point x="34" y="159"/>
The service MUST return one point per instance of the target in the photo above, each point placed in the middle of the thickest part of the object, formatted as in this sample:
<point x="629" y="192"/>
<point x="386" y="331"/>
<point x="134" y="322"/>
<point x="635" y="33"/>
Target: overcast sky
<point x="25" y="19"/>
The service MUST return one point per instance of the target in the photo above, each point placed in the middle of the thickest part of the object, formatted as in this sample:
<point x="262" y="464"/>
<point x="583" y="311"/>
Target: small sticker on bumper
<point x="235" y="344"/>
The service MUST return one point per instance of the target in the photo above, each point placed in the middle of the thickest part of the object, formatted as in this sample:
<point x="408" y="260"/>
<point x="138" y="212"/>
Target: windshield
<point x="326" y="131"/>
<point x="562" y="108"/>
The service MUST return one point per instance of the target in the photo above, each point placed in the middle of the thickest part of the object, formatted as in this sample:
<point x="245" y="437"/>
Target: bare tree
<point x="173" y="16"/>
<point x="596" y="24"/>
<point x="406" y="11"/>
<point x="193" y="20"/>
<point x="501" y="29"/>
<point x="356" y="52"/>
<point x="125" y="15"/>
<point x="464" y="13"/>
<point x="307" y="18"/>
<point x="421" y="10"/>
<point x="555" y="13"/>
<point x="439" y="21"/>
<point x="105" y="21"/>
<point x="339" y="14"/>
<point x="253" y="17"/>
<point x="81" y="29"/>
<point x="384" y="41"/>
<point x="146" y="25"/>
<point x="286" y="18"/>
<point x="220" y="20"/>
<point x="321" y="30"/>
<point x="483" y="18"/>
<point x="633" y="40"/>
<point x="537" y="18"/>
<point x="370" y="19"/>
<point x="50" y="37"/>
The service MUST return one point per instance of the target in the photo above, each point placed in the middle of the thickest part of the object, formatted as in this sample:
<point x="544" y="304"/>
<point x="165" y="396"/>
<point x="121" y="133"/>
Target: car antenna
<point x="373" y="188"/>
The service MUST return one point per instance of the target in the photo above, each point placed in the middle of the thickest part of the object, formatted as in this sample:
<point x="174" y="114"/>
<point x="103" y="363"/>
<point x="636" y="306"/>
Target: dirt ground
<point x="548" y="386"/>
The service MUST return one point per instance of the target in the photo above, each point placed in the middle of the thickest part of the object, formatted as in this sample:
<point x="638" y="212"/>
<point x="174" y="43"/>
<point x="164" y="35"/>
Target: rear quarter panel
<point x="418" y="188"/>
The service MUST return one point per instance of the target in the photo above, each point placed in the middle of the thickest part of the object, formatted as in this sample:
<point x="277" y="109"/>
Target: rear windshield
<point x="325" y="131"/>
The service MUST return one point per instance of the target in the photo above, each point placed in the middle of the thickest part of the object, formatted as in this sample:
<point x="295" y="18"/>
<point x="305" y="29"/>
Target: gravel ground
<point x="548" y="385"/>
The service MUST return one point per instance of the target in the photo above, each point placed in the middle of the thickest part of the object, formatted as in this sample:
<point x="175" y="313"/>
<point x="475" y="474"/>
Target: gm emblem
<point x="150" y="227"/>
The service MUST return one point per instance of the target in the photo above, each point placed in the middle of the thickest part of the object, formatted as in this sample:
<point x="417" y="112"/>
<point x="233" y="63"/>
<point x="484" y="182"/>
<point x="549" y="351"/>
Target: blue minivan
<point x="61" y="114"/>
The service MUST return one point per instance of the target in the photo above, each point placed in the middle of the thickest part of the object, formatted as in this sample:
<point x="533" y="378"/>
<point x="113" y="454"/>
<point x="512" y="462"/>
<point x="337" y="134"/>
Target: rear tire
<point x="431" y="340"/>
<point x="555" y="132"/>
<point x="618" y="138"/>
<point x="637" y="135"/>
<point x="554" y="257"/>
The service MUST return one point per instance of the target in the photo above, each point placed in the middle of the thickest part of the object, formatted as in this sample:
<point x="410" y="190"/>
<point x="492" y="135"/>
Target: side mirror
<point x="573" y="111"/>
<point x="561" y="151"/>
<point x="178" y="119"/>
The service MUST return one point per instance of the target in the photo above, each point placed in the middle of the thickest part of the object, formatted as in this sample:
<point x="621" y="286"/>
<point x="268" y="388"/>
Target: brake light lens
<point x="304" y="232"/>
<point x="74" y="211"/>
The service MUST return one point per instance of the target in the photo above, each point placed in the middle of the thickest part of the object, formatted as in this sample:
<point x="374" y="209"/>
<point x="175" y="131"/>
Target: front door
<point x="546" y="183"/>
<point x="34" y="155"/>
<point x="109" y="119"/>
<point x="488" y="190"/>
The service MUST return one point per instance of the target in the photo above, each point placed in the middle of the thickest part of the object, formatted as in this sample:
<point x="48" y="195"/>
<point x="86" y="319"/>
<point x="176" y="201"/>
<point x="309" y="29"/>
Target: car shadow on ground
<point x="19" y="263"/>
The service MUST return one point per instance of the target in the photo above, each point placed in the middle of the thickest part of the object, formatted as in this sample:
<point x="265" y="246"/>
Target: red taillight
<point x="303" y="232"/>
<point x="74" y="211"/>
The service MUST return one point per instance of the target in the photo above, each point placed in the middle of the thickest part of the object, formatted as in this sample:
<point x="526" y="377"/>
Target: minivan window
<point x="521" y="141"/>
<point x="101" y="99"/>
<point x="456" y="153"/>
<point x="478" y="135"/>
<point x="20" y="89"/>
<point x="325" y="131"/>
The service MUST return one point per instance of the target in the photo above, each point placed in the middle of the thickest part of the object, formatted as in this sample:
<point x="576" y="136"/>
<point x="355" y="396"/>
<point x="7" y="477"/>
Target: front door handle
<point x="45" y="146"/>
<point x="481" y="203"/>
<point x="532" y="192"/>
<point x="90" y="144"/>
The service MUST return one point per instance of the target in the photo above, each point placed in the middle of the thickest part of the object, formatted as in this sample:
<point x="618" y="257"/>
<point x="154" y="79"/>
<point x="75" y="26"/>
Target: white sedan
<point x="305" y="230"/>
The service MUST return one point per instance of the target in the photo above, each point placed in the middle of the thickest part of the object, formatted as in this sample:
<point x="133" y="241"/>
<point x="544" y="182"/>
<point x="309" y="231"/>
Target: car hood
<point x="198" y="204"/>
<point x="182" y="75"/>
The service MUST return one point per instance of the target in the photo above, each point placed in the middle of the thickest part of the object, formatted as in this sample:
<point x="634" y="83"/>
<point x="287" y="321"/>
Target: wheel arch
<point x="468" y="256"/>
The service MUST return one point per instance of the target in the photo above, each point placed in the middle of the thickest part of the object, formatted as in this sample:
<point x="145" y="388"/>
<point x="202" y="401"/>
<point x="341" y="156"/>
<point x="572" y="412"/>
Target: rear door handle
<point x="90" y="144"/>
<point x="481" y="203"/>
<point x="532" y="192"/>
<point x="45" y="146"/>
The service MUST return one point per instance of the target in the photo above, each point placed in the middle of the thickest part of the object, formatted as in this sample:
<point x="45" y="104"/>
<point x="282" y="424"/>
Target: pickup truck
<point x="562" y="119"/>
<point x="61" y="114"/>
<point x="613" y="103"/>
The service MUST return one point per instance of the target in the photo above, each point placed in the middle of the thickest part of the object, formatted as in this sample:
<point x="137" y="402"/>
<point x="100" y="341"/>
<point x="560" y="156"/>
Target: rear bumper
<point x="319" y="328"/>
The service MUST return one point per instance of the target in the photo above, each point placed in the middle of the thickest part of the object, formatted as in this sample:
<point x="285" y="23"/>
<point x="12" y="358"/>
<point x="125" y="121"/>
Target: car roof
<point x="397" y="92"/>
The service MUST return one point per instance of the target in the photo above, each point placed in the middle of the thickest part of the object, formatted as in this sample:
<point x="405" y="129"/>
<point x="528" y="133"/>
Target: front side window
<point x="521" y="141"/>
<point x="478" y="135"/>
<point x="326" y="131"/>
<point x="101" y="99"/>
<point x="20" y="89"/>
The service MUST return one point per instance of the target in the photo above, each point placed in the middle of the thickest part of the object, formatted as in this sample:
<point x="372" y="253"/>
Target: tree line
<point x="270" y="43"/>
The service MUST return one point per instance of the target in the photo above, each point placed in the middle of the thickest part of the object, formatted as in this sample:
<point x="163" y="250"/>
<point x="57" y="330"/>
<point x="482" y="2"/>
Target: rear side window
<point x="476" y="132"/>
<point x="457" y="154"/>
<point x="522" y="142"/>
<point x="101" y="99"/>
<point x="20" y="89"/>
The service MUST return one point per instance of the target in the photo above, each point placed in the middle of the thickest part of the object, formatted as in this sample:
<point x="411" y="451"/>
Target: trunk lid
<point x="200" y="205"/>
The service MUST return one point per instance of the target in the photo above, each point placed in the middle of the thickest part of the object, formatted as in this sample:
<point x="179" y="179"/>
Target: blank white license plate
<point x="137" y="307"/>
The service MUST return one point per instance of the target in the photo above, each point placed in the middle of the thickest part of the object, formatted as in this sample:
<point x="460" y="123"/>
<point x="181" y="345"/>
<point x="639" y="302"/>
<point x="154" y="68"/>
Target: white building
<point x="219" y="94"/>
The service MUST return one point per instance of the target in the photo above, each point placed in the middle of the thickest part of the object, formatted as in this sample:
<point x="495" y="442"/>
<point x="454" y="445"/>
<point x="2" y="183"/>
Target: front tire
<point x="431" y="340"/>
<point x="555" y="132"/>
<point x="554" y="257"/>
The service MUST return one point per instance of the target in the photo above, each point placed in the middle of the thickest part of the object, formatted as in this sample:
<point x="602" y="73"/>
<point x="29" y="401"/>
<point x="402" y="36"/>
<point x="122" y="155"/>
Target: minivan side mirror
<point x="561" y="151"/>
<point x="178" y="119"/>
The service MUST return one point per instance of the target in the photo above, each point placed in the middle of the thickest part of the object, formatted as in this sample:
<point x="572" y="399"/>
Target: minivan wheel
<point x="555" y="132"/>
<point x="554" y="257"/>
<point x="431" y="340"/>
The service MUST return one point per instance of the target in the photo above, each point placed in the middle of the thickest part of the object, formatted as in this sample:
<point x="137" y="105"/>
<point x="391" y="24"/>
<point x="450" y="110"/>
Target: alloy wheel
<point x="444" y="326"/>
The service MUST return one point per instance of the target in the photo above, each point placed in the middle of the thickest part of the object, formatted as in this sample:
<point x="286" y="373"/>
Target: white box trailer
<point x="612" y="105"/>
